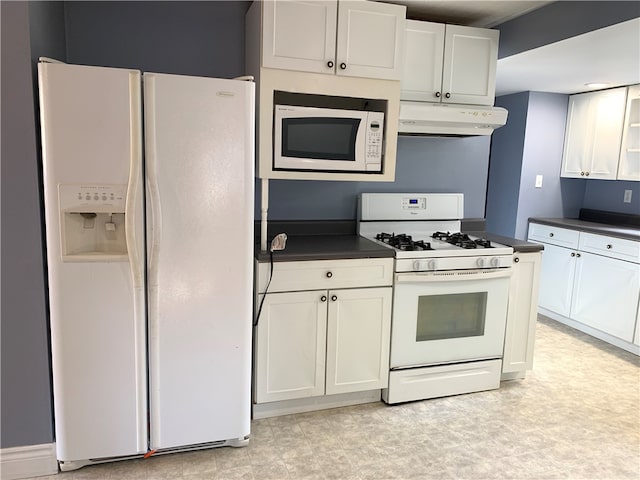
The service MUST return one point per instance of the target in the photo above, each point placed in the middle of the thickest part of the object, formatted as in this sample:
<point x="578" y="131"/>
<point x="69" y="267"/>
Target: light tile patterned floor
<point x="575" y="416"/>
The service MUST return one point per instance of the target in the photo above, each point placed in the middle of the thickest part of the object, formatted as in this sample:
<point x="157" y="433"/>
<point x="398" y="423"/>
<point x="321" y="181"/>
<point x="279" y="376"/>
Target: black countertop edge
<point x="609" y="218"/>
<point x="626" y="232"/>
<point x="306" y="228"/>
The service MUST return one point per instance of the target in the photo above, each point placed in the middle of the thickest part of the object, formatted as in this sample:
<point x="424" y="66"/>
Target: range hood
<point x="423" y="118"/>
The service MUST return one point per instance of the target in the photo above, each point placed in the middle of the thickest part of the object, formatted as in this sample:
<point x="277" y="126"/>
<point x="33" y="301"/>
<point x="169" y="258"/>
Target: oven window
<point x="451" y="316"/>
<point x="320" y="137"/>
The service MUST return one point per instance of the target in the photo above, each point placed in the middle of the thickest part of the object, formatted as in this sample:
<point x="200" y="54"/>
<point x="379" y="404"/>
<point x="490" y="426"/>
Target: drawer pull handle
<point x="609" y="247"/>
<point x="333" y="298"/>
<point x="551" y="234"/>
<point x="323" y="298"/>
<point x="329" y="274"/>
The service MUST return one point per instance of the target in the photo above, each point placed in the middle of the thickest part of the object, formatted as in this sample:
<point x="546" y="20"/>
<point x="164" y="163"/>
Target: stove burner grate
<point x="462" y="240"/>
<point x="403" y="242"/>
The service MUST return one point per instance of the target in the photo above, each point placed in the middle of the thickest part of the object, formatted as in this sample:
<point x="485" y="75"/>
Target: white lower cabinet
<point x="558" y="272"/>
<point x="522" y="313"/>
<point x="323" y="341"/>
<point x="594" y="285"/>
<point x="605" y="294"/>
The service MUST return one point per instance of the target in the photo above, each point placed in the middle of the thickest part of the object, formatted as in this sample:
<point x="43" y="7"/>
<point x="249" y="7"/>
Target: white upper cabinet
<point x="629" y="167"/>
<point x="353" y="38"/>
<point x="594" y="134"/>
<point x="449" y="63"/>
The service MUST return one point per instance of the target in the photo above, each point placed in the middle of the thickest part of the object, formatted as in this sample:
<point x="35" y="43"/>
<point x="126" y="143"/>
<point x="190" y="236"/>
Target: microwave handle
<point x="452" y="275"/>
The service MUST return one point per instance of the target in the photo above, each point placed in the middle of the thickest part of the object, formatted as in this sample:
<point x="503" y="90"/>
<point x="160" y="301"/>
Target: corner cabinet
<point x="590" y="282"/>
<point x="352" y="38"/>
<point x="449" y="63"/>
<point x="594" y="134"/>
<point x="324" y="328"/>
<point x="629" y="167"/>
<point x="522" y="315"/>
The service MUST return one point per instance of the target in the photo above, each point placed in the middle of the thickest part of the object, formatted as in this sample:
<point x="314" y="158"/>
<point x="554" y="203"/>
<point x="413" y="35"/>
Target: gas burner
<point x="462" y="240"/>
<point x="483" y="242"/>
<point x="403" y="242"/>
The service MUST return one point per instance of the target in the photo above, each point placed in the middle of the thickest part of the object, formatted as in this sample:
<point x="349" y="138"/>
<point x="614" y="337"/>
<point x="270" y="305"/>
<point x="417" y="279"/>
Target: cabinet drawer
<point x="613" y="247"/>
<point x="553" y="235"/>
<point x="326" y="274"/>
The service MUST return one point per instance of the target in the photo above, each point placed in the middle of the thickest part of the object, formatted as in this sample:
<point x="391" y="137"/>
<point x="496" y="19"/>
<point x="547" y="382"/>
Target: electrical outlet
<point x="538" y="181"/>
<point x="627" y="196"/>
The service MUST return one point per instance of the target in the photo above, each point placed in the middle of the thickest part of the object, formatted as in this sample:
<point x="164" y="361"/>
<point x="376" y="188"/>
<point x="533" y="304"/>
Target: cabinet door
<point x="422" y="61"/>
<point x="577" y="137"/>
<point x="556" y="279"/>
<point x="594" y="134"/>
<point x="607" y="133"/>
<point x="522" y="313"/>
<point x="290" y="346"/>
<point x="470" y="60"/>
<point x="299" y="35"/>
<point x="629" y="166"/>
<point x="370" y="38"/>
<point x="358" y="336"/>
<point x="605" y="294"/>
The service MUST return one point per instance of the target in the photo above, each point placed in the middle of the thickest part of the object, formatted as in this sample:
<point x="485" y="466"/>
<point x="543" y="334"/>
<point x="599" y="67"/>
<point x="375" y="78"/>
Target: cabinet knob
<point x="323" y="298"/>
<point x="516" y="260"/>
<point x="573" y="254"/>
<point x="609" y="247"/>
<point x="587" y="174"/>
<point x="333" y="298"/>
<point x="551" y="234"/>
<point x="330" y="64"/>
<point x="577" y="255"/>
<point x="343" y="66"/>
<point x="582" y="173"/>
<point x="437" y="94"/>
<point x="329" y="274"/>
<point x="447" y="95"/>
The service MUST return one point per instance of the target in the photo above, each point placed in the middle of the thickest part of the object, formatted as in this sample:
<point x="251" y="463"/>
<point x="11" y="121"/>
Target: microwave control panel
<point x="375" y="127"/>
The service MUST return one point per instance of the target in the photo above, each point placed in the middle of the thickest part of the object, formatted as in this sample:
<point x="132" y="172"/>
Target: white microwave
<point x="327" y="139"/>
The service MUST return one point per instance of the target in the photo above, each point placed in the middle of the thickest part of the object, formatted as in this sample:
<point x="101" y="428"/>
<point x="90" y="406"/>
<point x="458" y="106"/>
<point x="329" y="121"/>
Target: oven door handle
<point x="452" y="275"/>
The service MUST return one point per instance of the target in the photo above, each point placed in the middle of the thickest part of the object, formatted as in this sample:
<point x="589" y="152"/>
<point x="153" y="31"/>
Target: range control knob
<point x="419" y="265"/>
<point x="480" y="262"/>
<point x="433" y="264"/>
<point x="495" y="262"/>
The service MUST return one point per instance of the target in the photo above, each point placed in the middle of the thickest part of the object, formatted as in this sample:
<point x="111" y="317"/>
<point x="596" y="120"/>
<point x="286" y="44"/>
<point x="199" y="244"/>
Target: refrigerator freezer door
<point x="91" y="137"/>
<point x="200" y="179"/>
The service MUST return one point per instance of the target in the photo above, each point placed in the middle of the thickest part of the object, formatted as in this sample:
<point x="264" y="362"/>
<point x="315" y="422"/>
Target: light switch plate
<point x="627" y="196"/>
<point x="538" y="181"/>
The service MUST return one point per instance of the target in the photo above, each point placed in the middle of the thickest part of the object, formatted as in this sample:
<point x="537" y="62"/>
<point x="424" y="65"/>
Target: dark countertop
<point x="628" y="232"/>
<point x="326" y="247"/>
<point x="519" y="246"/>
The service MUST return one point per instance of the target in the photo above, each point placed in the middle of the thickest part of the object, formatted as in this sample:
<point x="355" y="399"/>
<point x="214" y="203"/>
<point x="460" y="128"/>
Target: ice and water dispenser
<point x="93" y="222"/>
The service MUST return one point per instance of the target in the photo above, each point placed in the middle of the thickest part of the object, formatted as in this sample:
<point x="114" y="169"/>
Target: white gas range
<point x="450" y="295"/>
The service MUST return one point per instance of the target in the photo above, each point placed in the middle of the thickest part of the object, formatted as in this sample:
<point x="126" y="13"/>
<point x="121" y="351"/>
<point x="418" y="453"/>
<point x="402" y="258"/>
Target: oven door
<point x="449" y="316"/>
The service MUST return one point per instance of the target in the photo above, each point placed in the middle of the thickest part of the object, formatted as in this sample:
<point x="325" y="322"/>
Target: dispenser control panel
<point x="93" y="198"/>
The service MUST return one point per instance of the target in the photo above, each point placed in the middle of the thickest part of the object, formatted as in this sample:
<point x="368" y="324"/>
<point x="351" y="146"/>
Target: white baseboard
<point x="302" y="405"/>
<point x="28" y="461"/>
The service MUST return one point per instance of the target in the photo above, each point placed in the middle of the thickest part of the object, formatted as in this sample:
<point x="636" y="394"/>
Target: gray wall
<point x="530" y="144"/>
<point x="423" y="165"/>
<point x="25" y="390"/>
<point x="507" y="147"/>
<point x="608" y="195"/>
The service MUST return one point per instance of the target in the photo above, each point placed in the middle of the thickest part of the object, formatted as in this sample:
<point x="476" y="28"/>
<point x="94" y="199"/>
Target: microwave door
<point x="307" y="139"/>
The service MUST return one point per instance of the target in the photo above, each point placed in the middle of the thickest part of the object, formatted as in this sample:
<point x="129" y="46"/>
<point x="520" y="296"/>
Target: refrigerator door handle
<point x="133" y="219"/>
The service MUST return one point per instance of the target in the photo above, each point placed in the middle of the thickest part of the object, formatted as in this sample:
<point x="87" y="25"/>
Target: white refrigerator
<point x="148" y="184"/>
